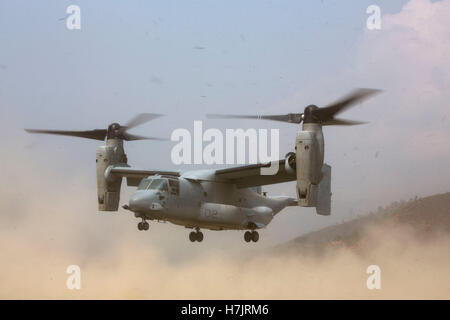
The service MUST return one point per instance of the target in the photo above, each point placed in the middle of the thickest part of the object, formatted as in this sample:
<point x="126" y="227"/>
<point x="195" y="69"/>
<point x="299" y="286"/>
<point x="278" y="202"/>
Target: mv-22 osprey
<point x="223" y="199"/>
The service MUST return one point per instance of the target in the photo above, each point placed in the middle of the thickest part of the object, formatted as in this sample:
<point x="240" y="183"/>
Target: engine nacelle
<point x="309" y="161"/>
<point x="108" y="189"/>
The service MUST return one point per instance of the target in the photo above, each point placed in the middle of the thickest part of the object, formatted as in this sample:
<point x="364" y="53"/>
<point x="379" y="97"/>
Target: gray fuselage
<point x="204" y="204"/>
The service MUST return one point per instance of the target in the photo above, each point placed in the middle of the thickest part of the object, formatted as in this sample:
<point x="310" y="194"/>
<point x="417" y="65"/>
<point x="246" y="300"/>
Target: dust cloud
<point x="409" y="269"/>
<point x="47" y="224"/>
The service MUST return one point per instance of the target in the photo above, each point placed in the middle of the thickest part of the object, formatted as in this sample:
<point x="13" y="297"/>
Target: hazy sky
<point x="188" y="58"/>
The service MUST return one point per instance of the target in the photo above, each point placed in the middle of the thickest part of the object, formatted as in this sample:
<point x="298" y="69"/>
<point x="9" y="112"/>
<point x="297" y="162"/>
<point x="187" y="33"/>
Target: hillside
<point x="424" y="217"/>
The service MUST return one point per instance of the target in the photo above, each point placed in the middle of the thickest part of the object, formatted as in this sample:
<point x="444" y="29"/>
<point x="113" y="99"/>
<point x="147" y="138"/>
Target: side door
<point x="174" y="194"/>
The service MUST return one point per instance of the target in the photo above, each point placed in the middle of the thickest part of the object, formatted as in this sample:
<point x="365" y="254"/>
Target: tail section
<point x="323" y="204"/>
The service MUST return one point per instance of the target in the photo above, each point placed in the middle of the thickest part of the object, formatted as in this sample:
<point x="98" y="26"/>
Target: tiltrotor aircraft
<point x="223" y="199"/>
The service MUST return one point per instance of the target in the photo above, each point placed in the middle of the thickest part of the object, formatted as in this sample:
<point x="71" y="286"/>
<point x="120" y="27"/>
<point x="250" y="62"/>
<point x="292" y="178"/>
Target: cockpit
<point x="161" y="184"/>
<point x="153" y="184"/>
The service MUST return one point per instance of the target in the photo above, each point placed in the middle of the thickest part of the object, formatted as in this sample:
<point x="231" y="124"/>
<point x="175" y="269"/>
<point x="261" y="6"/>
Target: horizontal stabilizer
<point x="323" y="206"/>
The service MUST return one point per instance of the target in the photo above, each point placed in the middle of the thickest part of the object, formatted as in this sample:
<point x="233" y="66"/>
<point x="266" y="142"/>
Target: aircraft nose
<point x="139" y="202"/>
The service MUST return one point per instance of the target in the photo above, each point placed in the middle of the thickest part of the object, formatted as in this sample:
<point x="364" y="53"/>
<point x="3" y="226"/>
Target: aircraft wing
<point x="243" y="176"/>
<point x="250" y="175"/>
<point x="135" y="175"/>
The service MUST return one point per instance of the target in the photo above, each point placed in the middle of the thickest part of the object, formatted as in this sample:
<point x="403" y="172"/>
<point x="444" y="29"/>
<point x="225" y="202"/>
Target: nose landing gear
<point x="196" y="236"/>
<point x="143" y="225"/>
<point x="251" y="236"/>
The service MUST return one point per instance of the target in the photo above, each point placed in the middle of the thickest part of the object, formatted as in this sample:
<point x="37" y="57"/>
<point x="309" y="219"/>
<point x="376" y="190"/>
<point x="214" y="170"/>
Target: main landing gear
<point x="251" y="236"/>
<point x="196" y="236"/>
<point x="143" y="225"/>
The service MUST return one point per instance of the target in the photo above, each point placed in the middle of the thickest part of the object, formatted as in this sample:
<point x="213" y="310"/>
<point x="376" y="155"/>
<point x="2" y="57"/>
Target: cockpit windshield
<point x="144" y="184"/>
<point x="159" y="184"/>
<point x="153" y="184"/>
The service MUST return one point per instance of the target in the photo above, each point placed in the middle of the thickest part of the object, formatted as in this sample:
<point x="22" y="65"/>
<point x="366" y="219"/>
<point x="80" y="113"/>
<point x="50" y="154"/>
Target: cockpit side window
<point x="144" y="184"/>
<point x="174" y="186"/>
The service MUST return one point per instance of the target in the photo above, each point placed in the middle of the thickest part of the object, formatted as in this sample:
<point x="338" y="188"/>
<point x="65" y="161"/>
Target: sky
<point x="188" y="58"/>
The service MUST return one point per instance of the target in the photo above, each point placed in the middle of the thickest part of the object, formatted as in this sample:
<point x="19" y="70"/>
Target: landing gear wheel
<point x="196" y="236"/>
<point x="255" y="236"/>
<point x="143" y="225"/>
<point x="248" y="236"/>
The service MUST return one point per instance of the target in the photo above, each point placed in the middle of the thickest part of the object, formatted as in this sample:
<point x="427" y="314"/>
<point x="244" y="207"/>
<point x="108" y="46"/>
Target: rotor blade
<point x="141" y="118"/>
<point x="342" y="122"/>
<point x="291" y="117"/>
<point x="356" y="96"/>
<point x="132" y="137"/>
<point x="98" y="134"/>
